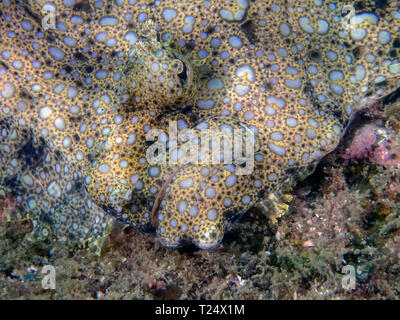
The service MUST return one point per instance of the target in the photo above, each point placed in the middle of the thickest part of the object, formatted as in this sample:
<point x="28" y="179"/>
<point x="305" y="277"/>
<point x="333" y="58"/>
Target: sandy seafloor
<point x="345" y="214"/>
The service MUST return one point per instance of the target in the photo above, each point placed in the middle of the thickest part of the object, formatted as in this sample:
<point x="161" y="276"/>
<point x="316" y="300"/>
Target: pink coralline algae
<point x="377" y="144"/>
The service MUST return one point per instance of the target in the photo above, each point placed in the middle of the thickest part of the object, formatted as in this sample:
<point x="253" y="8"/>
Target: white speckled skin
<point x="92" y="88"/>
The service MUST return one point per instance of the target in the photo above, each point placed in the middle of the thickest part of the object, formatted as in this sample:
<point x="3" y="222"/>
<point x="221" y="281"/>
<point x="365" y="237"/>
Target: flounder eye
<point x="183" y="73"/>
<point x="181" y="69"/>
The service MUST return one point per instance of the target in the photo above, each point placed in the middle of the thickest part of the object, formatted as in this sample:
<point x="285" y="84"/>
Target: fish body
<point x="115" y="100"/>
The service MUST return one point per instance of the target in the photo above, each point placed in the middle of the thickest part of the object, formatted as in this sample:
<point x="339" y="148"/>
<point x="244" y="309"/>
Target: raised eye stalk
<point x="158" y="75"/>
